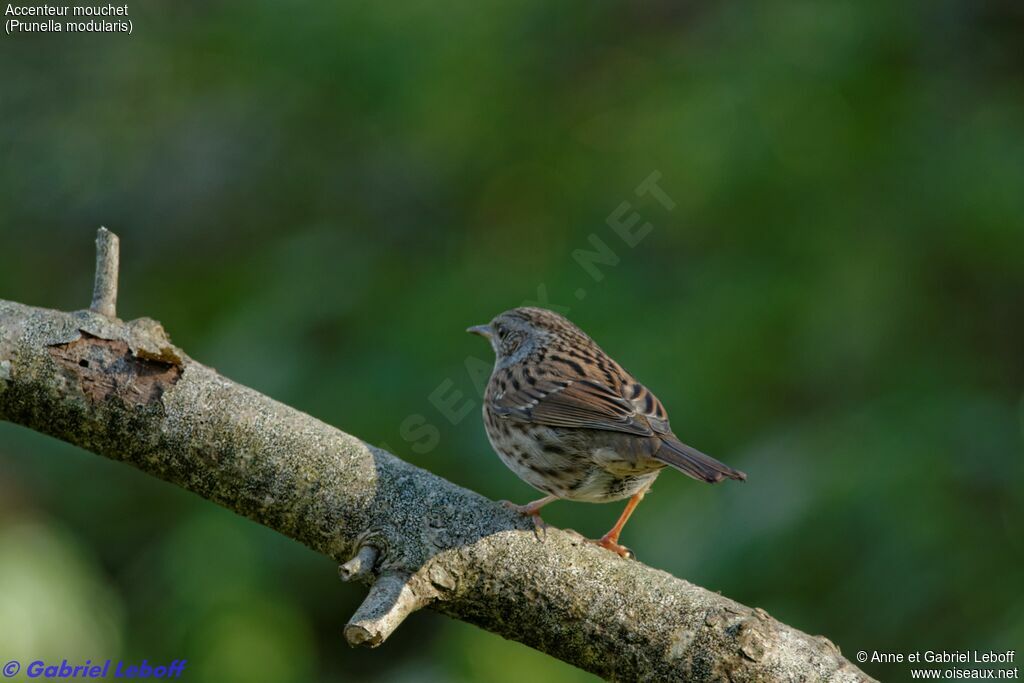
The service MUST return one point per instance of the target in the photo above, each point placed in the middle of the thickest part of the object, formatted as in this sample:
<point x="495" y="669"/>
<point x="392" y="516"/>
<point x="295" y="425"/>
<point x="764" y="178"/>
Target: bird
<point x="574" y="424"/>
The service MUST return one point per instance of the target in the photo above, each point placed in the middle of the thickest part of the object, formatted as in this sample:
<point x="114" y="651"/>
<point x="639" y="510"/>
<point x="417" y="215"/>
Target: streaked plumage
<point x="572" y="422"/>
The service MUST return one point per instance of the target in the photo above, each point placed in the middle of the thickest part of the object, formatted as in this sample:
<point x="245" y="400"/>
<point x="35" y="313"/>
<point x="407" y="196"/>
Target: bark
<point x="122" y="390"/>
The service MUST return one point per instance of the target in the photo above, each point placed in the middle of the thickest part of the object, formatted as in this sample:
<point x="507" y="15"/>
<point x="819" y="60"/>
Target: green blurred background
<point x="317" y="199"/>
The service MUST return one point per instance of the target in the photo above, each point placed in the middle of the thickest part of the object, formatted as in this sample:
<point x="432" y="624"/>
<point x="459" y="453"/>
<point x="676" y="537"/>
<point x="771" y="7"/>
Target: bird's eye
<point x="501" y="332"/>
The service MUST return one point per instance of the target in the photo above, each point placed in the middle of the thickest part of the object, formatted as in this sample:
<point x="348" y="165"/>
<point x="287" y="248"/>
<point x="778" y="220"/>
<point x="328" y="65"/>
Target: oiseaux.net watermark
<point x="949" y="665"/>
<point x="107" y="668"/>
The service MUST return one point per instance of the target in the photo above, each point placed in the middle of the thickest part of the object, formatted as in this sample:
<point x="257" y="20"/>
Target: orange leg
<point x="532" y="510"/>
<point x="611" y="539"/>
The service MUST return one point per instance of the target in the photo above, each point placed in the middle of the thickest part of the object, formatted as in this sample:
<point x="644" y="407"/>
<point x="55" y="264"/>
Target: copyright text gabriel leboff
<point x="109" y="667"/>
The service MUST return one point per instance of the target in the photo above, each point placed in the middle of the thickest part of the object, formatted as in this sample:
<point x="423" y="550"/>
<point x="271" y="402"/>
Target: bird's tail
<point x="694" y="463"/>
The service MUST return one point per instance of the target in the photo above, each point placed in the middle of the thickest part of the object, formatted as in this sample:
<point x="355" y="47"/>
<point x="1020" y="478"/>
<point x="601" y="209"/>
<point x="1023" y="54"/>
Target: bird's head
<point x="519" y="332"/>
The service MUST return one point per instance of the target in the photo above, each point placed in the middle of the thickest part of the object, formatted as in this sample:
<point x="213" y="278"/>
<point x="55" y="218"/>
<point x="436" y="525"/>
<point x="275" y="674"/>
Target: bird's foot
<point x="531" y="510"/>
<point x="606" y="542"/>
<point x="612" y="543"/>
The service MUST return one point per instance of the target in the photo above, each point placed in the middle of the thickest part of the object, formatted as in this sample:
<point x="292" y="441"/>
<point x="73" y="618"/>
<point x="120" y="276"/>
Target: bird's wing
<point x="583" y="402"/>
<point x="590" y="404"/>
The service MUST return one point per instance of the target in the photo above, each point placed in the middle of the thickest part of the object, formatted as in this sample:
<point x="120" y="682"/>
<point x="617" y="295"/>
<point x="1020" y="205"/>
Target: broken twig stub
<point x="108" y="259"/>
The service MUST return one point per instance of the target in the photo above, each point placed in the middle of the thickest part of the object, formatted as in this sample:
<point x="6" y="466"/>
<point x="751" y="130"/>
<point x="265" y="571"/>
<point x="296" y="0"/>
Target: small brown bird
<point x="571" y="422"/>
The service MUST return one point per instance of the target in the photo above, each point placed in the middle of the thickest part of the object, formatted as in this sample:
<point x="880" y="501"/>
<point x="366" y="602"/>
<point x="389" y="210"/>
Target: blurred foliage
<point x="318" y="198"/>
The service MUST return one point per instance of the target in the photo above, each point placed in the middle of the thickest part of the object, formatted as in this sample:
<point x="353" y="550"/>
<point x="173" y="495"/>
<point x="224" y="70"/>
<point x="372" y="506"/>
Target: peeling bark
<point x="122" y="390"/>
<point x="107" y="367"/>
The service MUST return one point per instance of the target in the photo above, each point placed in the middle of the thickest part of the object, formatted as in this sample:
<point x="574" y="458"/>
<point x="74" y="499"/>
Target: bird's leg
<point x="611" y="539"/>
<point x="532" y="510"/>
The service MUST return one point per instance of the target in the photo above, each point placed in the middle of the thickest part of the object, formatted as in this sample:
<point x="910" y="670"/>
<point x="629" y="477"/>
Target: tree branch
<point x="122" y="390"/>
<point x="391" y="599"/>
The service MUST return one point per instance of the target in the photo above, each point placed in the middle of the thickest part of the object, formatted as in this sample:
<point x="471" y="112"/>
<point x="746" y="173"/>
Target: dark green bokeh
<point x="318" y="198"/>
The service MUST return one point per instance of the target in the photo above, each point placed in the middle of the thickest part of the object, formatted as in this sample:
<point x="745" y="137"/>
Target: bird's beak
<point x="482" y="330"/>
